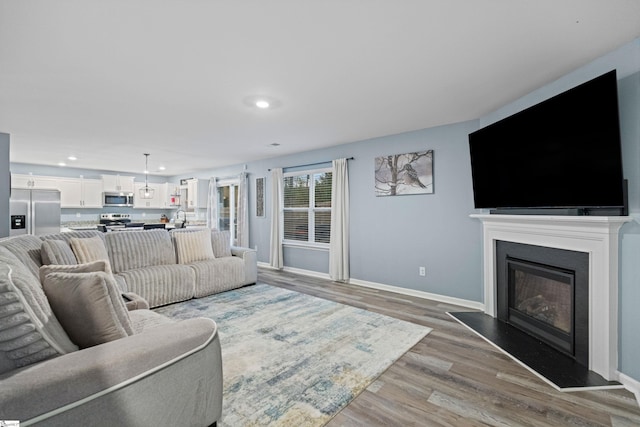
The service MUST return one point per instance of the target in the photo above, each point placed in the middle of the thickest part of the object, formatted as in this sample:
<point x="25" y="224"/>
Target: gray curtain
<point x="243" y="212"/>
<point x="339" y="246"/>
<point x="212" y="204"/>
<point x="275" y="252"/>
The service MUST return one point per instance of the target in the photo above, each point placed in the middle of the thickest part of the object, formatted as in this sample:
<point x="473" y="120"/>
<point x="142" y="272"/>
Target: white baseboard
<point x="396" y="289"/>
<point x="420" y="294"/>
<point x="630" y="384"/>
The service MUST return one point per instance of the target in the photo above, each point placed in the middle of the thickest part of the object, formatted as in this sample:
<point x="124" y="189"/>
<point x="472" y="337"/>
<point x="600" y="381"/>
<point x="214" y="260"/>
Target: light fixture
<point x="146" y="192"/>
<point x="72" y="158"/>
<point x="261" y="103"/>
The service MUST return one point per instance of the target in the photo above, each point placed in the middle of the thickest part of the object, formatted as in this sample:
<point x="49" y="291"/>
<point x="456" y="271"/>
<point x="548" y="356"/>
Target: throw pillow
<point x="57" y="252"/>
<point x="29" y="330"/>
<point x="88" y="267"/>
<point x="90" y="249"/>
<point x="221" y="242"/>
<point x="193" y="246"/>
<point x="89" y="307"/>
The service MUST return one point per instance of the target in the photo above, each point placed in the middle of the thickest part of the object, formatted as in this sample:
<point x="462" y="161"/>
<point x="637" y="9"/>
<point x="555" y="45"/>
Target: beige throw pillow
<point x="90" y="249"/>
<point x="193" y="246"/>
<point x="89" y="267"/>
<point x="89" y="307"/>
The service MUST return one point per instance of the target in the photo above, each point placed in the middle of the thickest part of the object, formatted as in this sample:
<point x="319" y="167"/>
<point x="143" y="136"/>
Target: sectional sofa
<point x="79" y="344"/>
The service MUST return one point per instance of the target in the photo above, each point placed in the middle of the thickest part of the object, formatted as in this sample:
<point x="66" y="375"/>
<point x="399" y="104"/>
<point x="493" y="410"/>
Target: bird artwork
<point x="404" y="174"/>
<point x="411" y="176"/>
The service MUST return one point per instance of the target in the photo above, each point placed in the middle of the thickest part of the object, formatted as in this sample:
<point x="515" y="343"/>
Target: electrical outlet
<point x="422" y="271"/>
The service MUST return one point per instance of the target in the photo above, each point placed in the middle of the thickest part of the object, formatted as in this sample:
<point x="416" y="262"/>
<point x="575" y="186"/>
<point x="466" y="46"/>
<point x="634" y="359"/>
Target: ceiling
<point x="107" y="81"/>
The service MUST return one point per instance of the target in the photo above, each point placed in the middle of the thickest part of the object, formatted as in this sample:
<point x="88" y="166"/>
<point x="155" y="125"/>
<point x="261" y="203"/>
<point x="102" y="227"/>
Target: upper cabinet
<point x="160" y="199"/>
<point x="117" y="183"/>
<point x="34" y="181"/>
<point x="80" y="193"/>
<point x="196" y="195"/>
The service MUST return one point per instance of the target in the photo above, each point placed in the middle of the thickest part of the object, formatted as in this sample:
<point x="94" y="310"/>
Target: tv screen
<point x="561" y="153"/>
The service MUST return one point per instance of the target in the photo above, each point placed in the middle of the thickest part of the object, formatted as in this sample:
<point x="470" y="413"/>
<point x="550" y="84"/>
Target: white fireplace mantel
<point x="595" y="235"/>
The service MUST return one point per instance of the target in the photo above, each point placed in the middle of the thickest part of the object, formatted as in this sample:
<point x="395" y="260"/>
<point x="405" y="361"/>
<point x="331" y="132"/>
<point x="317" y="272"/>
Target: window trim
<point x="309" y="244"/>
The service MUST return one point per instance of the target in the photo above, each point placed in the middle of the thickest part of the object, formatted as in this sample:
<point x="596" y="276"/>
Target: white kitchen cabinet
<point x="197" y="190"/>
<point x="80" y="193"/>
<point x="34" y="181"/>
<point x="118" y="183"/>
<point x="159" y="201"/>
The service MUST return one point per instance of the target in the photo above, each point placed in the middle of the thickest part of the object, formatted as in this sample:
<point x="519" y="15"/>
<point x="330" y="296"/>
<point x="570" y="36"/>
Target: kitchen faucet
<point x="176" y="216"/>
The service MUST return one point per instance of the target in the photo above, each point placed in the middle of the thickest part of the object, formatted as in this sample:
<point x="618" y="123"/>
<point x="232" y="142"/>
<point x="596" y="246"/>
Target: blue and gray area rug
<point x="291" y="359"/>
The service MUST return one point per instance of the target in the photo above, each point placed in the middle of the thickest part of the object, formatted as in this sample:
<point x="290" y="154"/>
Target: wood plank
<point x="454" y="378"/>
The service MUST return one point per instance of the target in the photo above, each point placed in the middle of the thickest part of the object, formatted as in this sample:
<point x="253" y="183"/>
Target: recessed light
<point x="62" y="164"/>
<point x="161" y="168"/>
<point x="262" y="102"/>
<point x="72" y="158"/>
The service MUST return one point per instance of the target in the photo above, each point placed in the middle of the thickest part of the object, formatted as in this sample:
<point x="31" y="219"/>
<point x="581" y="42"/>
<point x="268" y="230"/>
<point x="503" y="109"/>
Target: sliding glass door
<point x="228" y="208"/>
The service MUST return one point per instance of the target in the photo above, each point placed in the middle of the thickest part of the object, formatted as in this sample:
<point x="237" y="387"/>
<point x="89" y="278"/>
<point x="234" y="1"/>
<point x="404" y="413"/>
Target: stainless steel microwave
<point x="117" y="199"/>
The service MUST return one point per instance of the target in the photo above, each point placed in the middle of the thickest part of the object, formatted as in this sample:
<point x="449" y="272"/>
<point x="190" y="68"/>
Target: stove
<point x="115" y="219"/>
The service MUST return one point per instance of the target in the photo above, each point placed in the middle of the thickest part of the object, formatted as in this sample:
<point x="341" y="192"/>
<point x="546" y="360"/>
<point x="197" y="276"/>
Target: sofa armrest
<point x="134" y="301"/>
<point x="250" y="262"/>
<point x="63" y="385"/>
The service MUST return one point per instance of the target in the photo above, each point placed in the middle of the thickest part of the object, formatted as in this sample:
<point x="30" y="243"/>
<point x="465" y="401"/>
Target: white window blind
<point x="307" y="207"/>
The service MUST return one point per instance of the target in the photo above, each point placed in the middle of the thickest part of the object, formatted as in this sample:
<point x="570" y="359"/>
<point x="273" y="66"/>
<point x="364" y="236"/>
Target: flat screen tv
<point x="563" y="153"/>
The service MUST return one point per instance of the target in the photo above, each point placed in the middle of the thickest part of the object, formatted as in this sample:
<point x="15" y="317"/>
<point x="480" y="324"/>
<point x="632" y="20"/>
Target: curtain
<point x="243" y="212"/>
<point x="212" y="204"/>
<point x="275" y="250"/>
<point x="339" y="246"/>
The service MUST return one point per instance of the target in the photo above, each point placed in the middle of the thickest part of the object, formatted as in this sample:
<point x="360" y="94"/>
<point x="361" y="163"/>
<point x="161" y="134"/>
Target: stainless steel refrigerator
<point x="34" y="212"/>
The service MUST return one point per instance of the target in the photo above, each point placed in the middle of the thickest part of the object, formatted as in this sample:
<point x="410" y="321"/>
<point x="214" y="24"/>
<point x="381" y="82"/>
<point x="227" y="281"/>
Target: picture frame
<point x="260" y="188"/>
<point x="404" y="174"/>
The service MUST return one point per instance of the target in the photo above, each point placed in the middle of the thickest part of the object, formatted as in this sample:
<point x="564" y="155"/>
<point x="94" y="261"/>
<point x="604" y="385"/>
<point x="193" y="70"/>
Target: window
<point x="307" y="207"/>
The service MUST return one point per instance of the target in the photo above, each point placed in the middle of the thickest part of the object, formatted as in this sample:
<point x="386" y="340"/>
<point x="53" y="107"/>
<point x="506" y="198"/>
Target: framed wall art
<point x="403" y="174"/>
<point x="260" y="197"/>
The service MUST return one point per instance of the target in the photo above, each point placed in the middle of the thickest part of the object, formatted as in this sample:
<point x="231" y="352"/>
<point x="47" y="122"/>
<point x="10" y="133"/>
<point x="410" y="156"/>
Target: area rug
<point x="291" y="359"/>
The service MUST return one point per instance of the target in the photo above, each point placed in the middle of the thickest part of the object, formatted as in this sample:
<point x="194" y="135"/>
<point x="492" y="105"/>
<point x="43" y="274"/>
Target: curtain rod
<point x="311" y="164"/>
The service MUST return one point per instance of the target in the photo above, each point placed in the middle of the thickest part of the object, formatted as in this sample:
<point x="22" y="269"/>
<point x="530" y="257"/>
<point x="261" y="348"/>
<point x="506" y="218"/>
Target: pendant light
<point x="146" y="192"/>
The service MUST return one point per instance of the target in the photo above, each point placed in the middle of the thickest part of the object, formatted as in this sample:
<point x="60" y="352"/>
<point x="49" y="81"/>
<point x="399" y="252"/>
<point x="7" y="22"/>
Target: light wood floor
<point x="454" y="378"/>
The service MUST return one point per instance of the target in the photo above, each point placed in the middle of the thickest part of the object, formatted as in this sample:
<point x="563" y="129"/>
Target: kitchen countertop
<point x="92" y="225"/>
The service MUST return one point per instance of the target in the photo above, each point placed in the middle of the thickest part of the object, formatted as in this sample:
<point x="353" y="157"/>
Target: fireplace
<point x="594" y="236"/>
<point x="545" y="292"/>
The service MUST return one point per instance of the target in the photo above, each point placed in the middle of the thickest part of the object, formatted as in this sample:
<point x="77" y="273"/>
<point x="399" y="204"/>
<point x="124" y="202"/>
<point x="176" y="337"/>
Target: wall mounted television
<point x="561" y="156"/>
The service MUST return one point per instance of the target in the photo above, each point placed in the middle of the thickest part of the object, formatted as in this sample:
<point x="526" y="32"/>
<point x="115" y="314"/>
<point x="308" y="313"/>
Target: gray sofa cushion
<point x="57" y="252"/>
<point x="26" y="249"/>
<point x="160" y="284"/>
<point x="130" y="250"/>
<point x="218" y="275"/>
<point x="221" y="243"/>
<point x="29" y="331"/>
<point x="142" y="320"/>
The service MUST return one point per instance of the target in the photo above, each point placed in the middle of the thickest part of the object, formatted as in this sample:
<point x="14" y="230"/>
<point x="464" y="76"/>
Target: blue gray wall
<point x="5" y="187"/>
<point x="391" y="237"/>
<point x="626" y="60"/>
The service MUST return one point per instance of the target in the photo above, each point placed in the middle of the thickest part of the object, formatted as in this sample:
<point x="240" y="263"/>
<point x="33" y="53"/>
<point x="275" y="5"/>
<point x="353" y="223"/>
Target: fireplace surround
<point x="596" y="236"/>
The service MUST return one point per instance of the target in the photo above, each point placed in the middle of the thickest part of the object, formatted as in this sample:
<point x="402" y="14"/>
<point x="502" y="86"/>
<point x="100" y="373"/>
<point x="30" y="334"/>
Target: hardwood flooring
<point x="454" y="378"/>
